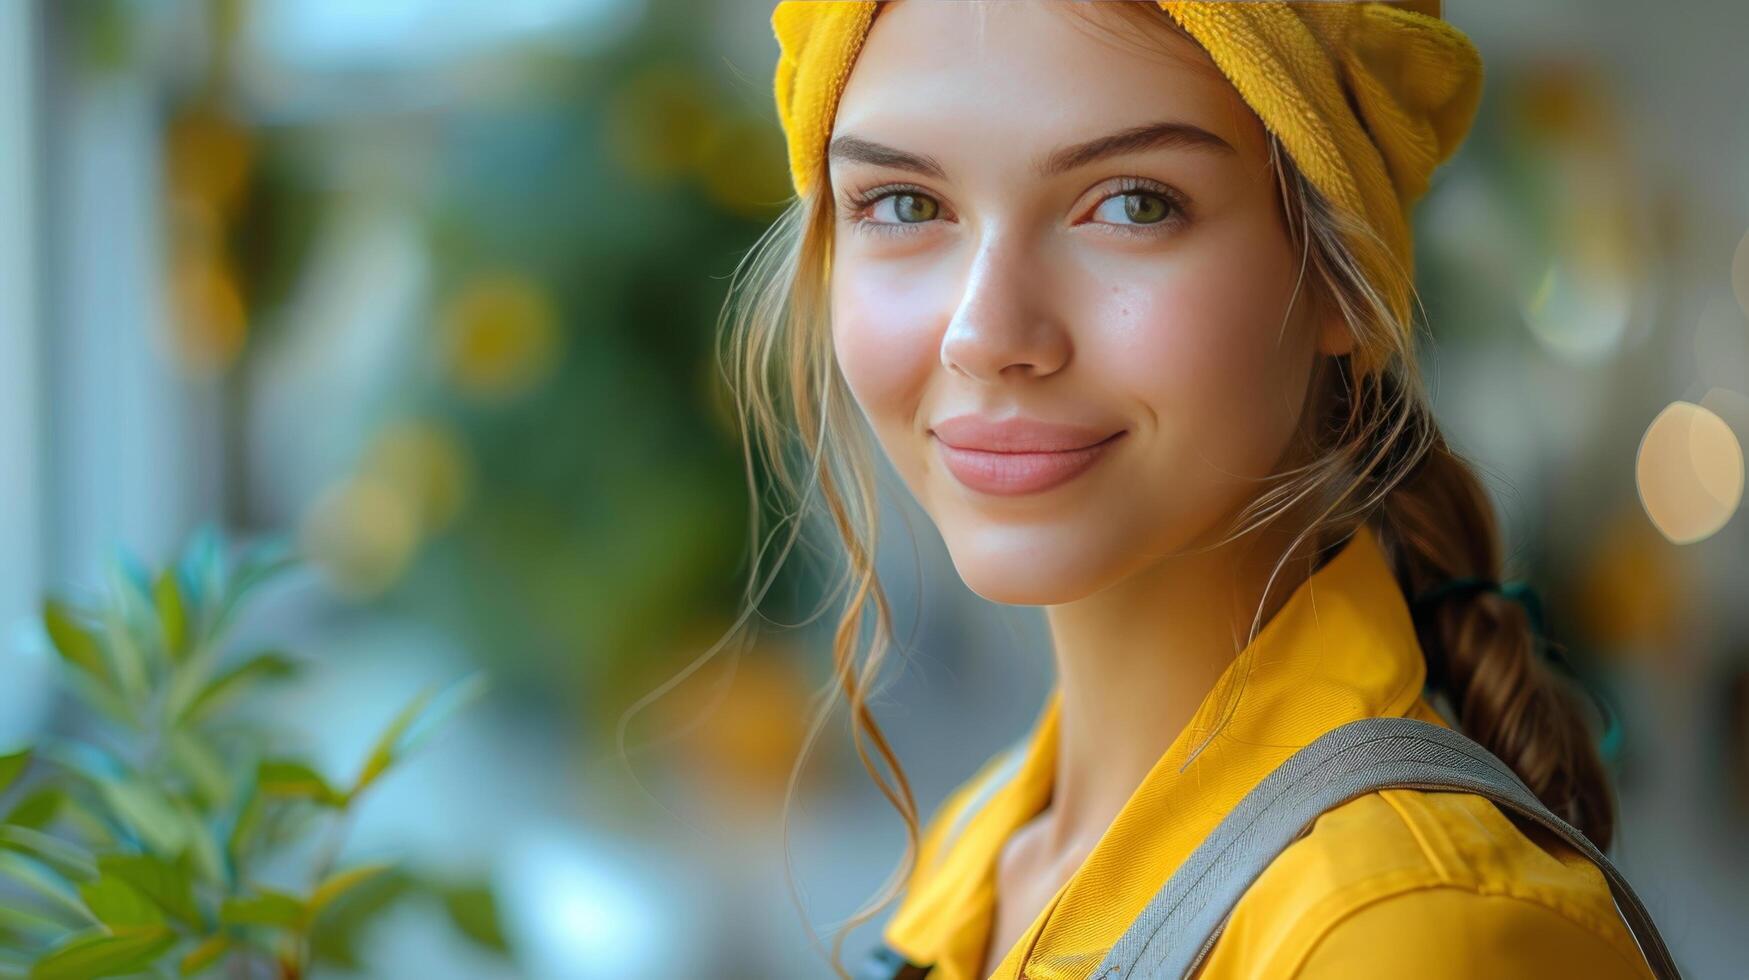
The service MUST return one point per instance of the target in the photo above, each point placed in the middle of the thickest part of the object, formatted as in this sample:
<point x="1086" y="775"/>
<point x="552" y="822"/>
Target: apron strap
<point x="1179" y="926"/>
<point x="886" y="963"/>
<point x="1006" y="769"/>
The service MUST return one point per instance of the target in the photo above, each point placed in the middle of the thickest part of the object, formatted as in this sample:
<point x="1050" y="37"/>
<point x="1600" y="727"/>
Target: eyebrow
<point x="1135" y="139"/>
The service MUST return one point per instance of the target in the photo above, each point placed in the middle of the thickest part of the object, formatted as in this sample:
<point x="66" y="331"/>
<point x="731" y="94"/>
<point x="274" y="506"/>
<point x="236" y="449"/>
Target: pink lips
<point x="1018" y="455"/>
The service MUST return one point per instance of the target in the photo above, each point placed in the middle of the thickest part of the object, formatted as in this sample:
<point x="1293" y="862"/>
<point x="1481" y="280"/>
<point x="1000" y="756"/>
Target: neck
<point x="1135" y="661"/>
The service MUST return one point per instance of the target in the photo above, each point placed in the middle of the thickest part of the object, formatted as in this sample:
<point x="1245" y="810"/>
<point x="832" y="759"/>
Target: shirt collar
<point x="1342" y="647"/>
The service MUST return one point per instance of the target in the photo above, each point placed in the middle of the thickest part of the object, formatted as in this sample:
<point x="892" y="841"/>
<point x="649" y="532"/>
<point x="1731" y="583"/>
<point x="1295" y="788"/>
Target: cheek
<point x="1203" y="345"/>
<point x="886" y="334"/>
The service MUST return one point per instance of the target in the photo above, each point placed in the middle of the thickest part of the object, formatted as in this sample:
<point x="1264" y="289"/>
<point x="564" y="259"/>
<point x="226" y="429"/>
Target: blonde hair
<point x="1372" y="452"/>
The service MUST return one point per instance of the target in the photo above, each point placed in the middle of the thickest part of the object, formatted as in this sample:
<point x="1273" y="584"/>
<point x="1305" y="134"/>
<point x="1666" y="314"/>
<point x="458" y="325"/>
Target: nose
<point x="1003" y="326"/>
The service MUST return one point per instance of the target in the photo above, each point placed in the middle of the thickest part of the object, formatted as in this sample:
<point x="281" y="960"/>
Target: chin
<point x="1033" y="566"/>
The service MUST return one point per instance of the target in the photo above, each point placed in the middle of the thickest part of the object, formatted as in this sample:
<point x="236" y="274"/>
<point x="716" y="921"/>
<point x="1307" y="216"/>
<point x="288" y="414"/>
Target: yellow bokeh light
<point x="209" y="321"/>
<point x="745" y="717"/>
<point x="501" y="336"/>
<point x="1689" y="472"/>
<point x="362" y="532"/>
<point x="211" y="156"/>
<point x="427" y="465"/>
<point x="743" y="167"/>
<point x="659" y="122"/>
<point x="1632" y="590"/>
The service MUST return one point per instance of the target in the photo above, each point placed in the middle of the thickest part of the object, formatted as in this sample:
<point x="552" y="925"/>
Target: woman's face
<point x="1062" y="290"/>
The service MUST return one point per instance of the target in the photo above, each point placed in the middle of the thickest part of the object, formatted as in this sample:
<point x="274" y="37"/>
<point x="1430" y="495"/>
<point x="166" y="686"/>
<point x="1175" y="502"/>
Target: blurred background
<point x="432" y="286"/>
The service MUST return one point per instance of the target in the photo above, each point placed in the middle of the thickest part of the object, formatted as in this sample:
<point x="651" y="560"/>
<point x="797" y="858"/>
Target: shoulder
<point x="1430" y="883"/>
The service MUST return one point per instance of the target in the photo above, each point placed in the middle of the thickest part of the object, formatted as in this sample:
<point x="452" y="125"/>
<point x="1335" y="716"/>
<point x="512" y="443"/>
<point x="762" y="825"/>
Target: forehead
<point x="1013" y="75"/>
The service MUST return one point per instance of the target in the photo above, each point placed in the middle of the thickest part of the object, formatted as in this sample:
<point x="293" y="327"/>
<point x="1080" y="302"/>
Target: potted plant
<point x="133" y="842"/>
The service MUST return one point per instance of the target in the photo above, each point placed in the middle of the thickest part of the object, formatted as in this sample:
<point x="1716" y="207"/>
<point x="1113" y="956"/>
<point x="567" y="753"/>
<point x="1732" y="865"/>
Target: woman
<point x="1124" y="293"/>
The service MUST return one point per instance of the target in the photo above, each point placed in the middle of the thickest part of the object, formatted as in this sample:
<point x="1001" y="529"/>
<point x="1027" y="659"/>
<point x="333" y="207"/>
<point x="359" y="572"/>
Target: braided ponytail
<point x="1438" y="524"/>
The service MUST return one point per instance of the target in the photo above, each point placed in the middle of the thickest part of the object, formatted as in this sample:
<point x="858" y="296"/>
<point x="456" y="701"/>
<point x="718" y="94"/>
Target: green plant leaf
<point x="265" y="557"/>
<point x="148" y="813"/>
<point x="337" y="932"/>
<point x="409" y="729"/>
<point x="83" y="821"/>
<point x="37" y="808"/>
<point x="203" y="844"/>
<point x="244" y="825"/>
<point x="270" y="665"/>
<point x="131" y="580"/>
<point x="85" y="759"/>
<point x="67" y="859"/>
<point x="209" y="952"/>
<point x="50" y="803"/>
<point x="383" y="753"/>
<point x="291" y="779"/>
<point x="168" y="885"/>
<point x="341" y="882"/>
<point x="118" y="904"/>
<point x="131" y="595"/>
<point x="196" y="758"/>
<point x="264" y="908"/>
<point x="13" y="966"/>
<point x="100" y="695"/>
<point x="474" y="910"/>
<point x="172" y="615"/>
<point x="454" y="698"/>
<point x="12" y="766"/>
<point x="104" y="954"/>
<point x="76" y="644"/>
<point x="22" y="922"/>
<point x="126" y="657"/>
<point x="261" y="561"/>
<point x="38" y="878"/>
<point x="283" y="825"/>
<point x="202" y="569"/>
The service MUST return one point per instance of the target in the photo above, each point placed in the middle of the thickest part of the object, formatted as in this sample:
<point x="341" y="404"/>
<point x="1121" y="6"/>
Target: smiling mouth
<point x="1003" y="473"/>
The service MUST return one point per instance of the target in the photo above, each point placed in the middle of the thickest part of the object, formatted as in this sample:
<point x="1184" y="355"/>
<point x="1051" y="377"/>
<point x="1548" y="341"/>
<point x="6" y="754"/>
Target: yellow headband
<point x="1367" y="97"/>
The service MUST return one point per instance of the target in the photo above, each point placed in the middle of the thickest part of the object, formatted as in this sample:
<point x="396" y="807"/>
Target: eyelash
<point x="861" y="202"/>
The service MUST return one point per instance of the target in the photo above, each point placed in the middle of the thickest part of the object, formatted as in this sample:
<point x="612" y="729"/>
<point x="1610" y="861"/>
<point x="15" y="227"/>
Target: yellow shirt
<point x="1391" y="884"/>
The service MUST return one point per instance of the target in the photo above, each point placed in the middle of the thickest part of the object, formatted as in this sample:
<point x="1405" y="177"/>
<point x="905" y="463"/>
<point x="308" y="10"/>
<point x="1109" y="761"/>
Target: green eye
<point x="1144" y="208"/>
<point x="1138" y="207"/>
<point x="911" y="208"/>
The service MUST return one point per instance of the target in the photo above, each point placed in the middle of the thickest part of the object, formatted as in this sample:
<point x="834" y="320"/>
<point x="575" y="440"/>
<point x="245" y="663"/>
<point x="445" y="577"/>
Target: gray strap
<point x="1012" y="758"/>
<point x="1181" y="923"/>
